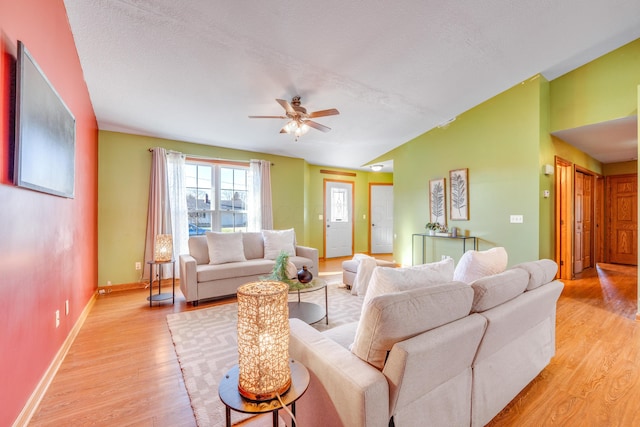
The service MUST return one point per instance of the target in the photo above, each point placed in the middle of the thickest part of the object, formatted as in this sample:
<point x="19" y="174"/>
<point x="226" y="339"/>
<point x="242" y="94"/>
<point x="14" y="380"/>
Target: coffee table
<point x="310" y="312"/>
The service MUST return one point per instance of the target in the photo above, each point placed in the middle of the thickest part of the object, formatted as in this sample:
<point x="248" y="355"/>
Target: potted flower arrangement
<point x="432" y="227"/>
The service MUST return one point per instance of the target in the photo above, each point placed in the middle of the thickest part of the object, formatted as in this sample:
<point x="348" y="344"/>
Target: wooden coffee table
<point x="310" y="312"/>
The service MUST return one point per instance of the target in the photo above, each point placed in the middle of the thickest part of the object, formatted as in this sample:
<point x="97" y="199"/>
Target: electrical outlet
<point x="57" y="318"/>
<point x="517" y="219"/>
<point x="138" y="265"/>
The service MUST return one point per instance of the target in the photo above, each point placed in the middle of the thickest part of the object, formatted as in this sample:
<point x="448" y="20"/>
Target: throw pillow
<point x="385" y="280"/>
<point x="276" y="241"/>
<point x="225" y="247"/>
<point x="477" y="264"/>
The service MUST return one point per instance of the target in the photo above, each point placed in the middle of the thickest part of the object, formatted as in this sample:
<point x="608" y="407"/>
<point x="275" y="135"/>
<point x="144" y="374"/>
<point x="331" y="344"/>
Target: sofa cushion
<point x="476" y="264"/>
<point x="494" y="290"/>
<point x="225" y="247"/>
<point x="540" y="272"/>
<point x="199" y="249"/>
<point x="276" y="241"/>
<point x="385" y="280"/>
<point x="254" y="267"/>
<point x="394" y="317"/>
<point x="253" y="245"/>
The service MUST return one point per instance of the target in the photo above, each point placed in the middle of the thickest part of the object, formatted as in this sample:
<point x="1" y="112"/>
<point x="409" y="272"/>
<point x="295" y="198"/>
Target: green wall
<point x="621" y="168"/>
<point x="504" y="142"/>
<point x="315" y="206"/>
<point x="602" y="90"/>
<point x="499" y="142"/>
<point x="123" y="192"/>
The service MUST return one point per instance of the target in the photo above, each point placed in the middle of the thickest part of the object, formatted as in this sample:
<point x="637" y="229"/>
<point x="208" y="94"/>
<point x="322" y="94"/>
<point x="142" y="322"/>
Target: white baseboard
<point x="31" y="406"/>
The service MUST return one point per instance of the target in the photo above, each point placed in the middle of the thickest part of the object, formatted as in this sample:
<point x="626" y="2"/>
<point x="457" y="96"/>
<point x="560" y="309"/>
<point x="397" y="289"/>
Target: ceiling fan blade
<point x="287" y="107"/>
<point x="267" y="117"/>
<point x="317" y="126"/>
<point x="323" y="113"/>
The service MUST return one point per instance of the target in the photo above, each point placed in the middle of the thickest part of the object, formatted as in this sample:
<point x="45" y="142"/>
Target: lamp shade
<point x="263" y="340"/>
<point x="163" y="248"/>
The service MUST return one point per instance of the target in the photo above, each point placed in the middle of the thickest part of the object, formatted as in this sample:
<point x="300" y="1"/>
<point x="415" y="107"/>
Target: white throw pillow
<point x="276" y="241"/>
<point x="225" y="247"/>
<point x="385" y="280"/>
<point x="475" y="265"/>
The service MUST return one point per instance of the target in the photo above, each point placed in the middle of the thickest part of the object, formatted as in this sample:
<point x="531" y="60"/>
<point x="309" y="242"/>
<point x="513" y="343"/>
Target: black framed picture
<point x="45" y="132"/>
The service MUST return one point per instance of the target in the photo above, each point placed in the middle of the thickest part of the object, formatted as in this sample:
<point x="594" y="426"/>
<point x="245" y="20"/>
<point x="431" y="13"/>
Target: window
<point x="339" y="205"/>
<point x="216" y="196"/>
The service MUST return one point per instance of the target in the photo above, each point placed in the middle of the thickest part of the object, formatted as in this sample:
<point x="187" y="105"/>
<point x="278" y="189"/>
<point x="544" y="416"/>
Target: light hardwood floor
<point x="122" y="369"/>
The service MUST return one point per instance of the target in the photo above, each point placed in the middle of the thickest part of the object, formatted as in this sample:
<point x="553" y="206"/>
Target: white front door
<point x="381" y="214"/>
<point x="338" y="215"/>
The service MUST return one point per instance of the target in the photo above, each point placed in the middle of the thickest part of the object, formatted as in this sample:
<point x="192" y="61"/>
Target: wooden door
<point x="588" y="231"/>
<point x="578" y="213"/>
<point x="599" y="216"/>
<point x="563" y="220"/>
<point x="623" y="221"/>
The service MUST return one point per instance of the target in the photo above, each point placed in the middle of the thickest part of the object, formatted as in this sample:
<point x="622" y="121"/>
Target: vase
<point x="432" y="232"/>
<point x="304" y="275"/>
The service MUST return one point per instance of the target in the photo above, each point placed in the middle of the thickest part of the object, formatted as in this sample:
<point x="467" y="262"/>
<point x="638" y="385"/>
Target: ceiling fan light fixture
<point x="301" y="129"/>
<point x="291" y="127"/>
<point x="376" y="168"/>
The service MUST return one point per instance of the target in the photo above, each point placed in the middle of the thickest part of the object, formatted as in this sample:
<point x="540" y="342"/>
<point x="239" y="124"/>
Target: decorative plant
<point x="281" y="273"/>
<point x="433" y="226"/>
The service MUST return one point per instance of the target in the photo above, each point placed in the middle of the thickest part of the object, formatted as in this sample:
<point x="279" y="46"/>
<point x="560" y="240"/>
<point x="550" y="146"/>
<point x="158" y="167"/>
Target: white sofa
<point x="200" y="280"/>
<point x="451" y="354"/>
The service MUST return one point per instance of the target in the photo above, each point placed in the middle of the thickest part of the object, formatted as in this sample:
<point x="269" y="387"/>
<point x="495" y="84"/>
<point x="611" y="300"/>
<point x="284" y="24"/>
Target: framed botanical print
<point x="459" y="194"/>
<point x="437" y="201"/>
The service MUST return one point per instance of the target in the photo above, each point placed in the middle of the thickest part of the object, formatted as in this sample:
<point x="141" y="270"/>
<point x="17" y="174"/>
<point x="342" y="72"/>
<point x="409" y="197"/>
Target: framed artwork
<point x="437" y="201"/>
<point x="459" y="194"/>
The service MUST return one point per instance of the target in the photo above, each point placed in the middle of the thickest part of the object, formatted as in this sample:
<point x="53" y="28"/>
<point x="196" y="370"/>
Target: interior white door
<point x="381" y="214"/>
<point x="338" y="216"/>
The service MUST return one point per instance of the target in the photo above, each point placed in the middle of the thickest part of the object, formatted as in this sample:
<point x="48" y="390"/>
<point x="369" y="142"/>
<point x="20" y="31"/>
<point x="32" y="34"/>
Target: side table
<point x="310" y="312"/>
<point x="232" y="399"/>
<point x="160" y="296"/>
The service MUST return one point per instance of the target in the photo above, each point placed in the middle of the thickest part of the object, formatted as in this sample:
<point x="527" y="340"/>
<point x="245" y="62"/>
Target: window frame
<point x="216" y="191"/>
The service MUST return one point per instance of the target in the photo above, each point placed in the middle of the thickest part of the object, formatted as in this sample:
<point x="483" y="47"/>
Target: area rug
<point x="205" y="341"/>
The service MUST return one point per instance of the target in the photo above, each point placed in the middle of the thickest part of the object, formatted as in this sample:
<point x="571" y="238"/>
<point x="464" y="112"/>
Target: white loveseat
<point x="450" y="354"/>
<point x="241" y="258"/>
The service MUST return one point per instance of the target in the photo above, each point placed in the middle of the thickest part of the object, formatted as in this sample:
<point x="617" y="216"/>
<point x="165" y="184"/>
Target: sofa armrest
<point x="312" y="254"/>
<point x="344" y="390"/>
<point x="188" y="277"/>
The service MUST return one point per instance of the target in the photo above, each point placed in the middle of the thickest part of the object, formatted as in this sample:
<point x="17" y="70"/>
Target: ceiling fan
<point x="299" y="120"/>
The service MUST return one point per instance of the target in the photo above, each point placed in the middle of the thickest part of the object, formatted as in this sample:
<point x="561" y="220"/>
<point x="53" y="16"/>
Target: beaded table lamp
<point x="263" y="340"/>
<point x="163" y="248"/>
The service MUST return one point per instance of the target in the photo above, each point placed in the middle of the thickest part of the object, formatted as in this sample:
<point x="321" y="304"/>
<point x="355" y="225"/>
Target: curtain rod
<point x="195" y="156"/>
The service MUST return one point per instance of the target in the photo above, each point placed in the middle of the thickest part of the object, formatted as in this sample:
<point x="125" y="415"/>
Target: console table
<point x="423" y="243"/>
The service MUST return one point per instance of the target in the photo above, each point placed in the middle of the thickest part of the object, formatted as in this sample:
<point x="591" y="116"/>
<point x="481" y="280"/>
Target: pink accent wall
<point x="48" y="244"/>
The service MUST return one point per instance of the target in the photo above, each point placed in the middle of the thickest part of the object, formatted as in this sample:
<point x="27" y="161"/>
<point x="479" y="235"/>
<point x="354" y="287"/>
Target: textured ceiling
<point x="194" y="70"/>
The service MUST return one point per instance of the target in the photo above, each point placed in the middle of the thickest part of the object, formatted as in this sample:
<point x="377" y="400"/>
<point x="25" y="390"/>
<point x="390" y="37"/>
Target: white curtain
<point x="260" y="211"/>
<point x="159" y="212"/>
<point x="178" y="205"/>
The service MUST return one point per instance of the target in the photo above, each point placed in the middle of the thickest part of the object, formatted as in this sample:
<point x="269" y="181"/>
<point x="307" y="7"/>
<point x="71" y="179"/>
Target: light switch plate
<point x="517" y="219"/>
